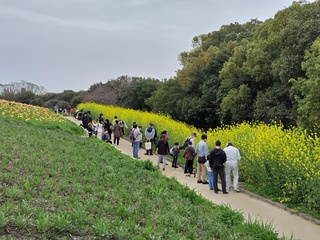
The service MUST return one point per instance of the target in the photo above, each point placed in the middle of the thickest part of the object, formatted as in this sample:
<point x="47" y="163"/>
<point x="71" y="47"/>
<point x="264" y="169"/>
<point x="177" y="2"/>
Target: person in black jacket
<point x="86" y="119"/>
<point x="217" y="158"/>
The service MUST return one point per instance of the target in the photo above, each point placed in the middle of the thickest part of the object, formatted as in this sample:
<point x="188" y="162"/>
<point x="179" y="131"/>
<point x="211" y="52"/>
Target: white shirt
<point x="233" y="154"/>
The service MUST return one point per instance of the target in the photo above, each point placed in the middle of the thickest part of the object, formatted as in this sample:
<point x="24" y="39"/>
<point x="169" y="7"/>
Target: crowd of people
<point x="218" y="163"/>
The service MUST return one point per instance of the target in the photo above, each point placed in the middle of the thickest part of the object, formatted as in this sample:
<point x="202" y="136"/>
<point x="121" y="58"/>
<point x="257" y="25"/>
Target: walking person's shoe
<point x="188" y="175"/>
<point x="199" y="181"/>
<point x="237" y="190"/>
<point x="163" y="169"/>
<point x="205" y="182"/>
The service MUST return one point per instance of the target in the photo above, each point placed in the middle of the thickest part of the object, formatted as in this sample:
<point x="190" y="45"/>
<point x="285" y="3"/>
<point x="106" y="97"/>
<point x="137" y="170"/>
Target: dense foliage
<point x="282" y="164"/>
<point x="58" y="185"/>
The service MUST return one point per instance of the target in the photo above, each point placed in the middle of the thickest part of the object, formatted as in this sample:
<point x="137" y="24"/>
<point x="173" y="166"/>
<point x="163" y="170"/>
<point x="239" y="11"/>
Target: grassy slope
<point x="56" y="184"/>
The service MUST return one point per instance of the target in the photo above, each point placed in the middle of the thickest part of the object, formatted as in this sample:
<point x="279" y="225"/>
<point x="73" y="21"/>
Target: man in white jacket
<point x="232" y="165"/>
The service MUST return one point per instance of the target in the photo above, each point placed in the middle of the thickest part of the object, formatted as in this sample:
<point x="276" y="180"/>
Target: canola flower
<point x="285" y="161"/>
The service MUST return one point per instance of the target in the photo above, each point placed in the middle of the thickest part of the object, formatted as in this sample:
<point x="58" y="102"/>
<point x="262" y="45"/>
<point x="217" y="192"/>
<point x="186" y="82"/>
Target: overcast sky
<point x="72" y="44"/>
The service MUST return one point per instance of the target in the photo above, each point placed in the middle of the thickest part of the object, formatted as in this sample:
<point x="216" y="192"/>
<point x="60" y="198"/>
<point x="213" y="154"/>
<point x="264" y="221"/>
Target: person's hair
<point x="194" y="134"/>
<point x="115" y="117"/>
<point x="164" y="132"/>
<point x="162" y="136"/>
<point x="134" y="125"/>
<point x="117" y="121"/>
<point x="176" y="143"/>
<point x="218" y="143"/>
<point x="107" y="120"/>
<point x="204" y="136"/>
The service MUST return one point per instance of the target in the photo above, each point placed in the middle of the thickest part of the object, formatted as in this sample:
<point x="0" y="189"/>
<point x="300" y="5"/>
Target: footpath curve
<point x="284" y="222"/>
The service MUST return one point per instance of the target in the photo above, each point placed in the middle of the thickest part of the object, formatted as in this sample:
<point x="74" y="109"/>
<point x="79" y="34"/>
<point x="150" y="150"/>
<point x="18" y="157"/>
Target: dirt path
<point x="285" y="223"/>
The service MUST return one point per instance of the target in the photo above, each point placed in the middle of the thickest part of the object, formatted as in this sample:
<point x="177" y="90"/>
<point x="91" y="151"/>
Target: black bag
<point x="201" y="159"/>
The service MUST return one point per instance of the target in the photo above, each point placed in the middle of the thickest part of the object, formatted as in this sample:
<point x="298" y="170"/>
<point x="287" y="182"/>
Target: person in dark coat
<point x="86" y="119"/>
<point x="108" y="127"/>
<point x="116" y="133"/>
<point x="217" y="158"/>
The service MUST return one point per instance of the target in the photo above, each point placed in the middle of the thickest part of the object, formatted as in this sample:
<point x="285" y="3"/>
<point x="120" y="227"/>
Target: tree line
<point x="265" y="71"/>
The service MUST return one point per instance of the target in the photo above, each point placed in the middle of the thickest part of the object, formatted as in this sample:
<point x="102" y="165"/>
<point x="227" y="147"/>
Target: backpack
<point x="131" y="134"/>
<point x="186" y="143"/>
<point x="171" y="151"/>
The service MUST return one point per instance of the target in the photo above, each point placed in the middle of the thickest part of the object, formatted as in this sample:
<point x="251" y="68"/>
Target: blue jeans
<point x="174" y="160"/>
<point x="135" y="147"/>
<point x="210" y="179"/>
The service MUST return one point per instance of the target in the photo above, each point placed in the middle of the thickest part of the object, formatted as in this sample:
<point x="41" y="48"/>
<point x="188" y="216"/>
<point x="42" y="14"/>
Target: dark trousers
<point x="189" y="166"/>
<point x="174" y="160"/>
<point x="154" y="140"/>
<point x="116" y="139"/>
<point x="222" y="175"/>
<point x="149" y="152"/>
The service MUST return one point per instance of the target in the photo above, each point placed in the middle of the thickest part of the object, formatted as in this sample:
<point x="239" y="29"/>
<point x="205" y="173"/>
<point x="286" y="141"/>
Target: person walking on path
<point x="116" y="133"/>
<point x="122" y="126"/>
<point x="149" y="134"/>
<point x="232" y="165"/>
<point x="186" y="144"/>
<point x="99" y="122"/>
<point x="137" y="134"/>
<point x="155" y="138"/>
<point x="216" y="160"/>
<point x="108" y="127"/>
<point x="166" y="137"/>
<point x="188" y="155"/>
<point x="210" y="174"/>
<point x="175" y="152"/>
<point x="202" y="152"/>
<point x="85" y="120"/>
<point x="162" y="150"/>
<point x="115" y="118"/>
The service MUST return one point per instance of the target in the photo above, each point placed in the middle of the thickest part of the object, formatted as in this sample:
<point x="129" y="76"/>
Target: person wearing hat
<point x="232" y="165"/>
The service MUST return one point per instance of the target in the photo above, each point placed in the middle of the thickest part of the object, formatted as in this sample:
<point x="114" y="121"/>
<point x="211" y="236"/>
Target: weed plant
<point x="57" y="185"/>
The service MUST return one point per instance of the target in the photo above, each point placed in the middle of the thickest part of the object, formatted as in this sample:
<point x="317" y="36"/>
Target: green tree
<point x="167" y="99"/>
<point x="137" y="93"/>
<point x="24" y="97"/>
<point x="307" y="89"/>
<point x="237" y="103"/>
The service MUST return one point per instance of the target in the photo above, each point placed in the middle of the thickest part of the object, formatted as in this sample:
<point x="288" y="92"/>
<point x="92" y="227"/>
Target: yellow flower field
<point x="286" y="162"/>
<point x="29" y="112"/>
